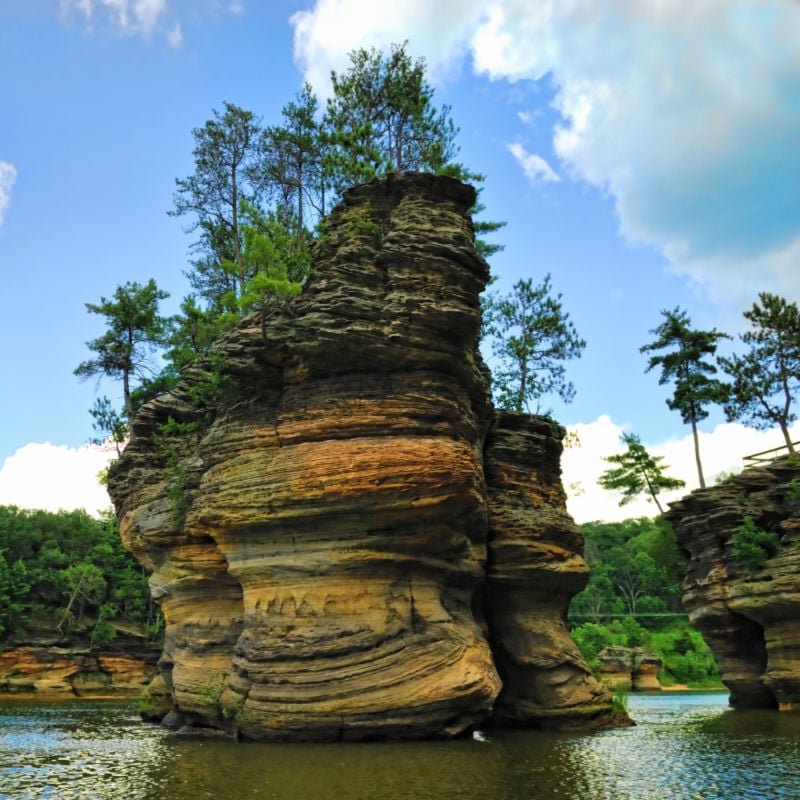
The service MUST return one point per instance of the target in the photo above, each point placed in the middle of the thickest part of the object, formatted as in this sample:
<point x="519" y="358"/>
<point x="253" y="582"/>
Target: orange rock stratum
<point x="345" y="541"/>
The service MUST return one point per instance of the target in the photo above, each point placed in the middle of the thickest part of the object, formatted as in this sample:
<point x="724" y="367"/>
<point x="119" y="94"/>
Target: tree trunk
<point x="68" y="610"/>
<point x="126" y="393"/>
<point x="697" y="454"/>
<point x="652" y="493"/>
<point x="787" y="437"/>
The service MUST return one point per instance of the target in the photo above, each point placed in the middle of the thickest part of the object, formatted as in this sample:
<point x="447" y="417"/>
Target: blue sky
<point x="645" y="154"/>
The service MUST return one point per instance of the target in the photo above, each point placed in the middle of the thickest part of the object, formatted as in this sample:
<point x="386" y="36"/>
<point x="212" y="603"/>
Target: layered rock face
<point x="630" y="669"/>
<point x="312" y="498"/>
<point x="60" y="670"/>
<point x="751" y="620"/>
<point x="535" y="567"/>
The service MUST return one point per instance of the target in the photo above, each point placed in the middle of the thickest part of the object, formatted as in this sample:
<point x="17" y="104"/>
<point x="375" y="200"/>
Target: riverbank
<point x="53" y="668"/>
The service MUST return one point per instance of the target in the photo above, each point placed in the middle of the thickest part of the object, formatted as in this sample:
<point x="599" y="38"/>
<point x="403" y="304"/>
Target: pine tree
<point x="684" y="365"/>
<point x="765" y="381"/>
<point x="531" y="337"/>
<point x="637" y="473"/>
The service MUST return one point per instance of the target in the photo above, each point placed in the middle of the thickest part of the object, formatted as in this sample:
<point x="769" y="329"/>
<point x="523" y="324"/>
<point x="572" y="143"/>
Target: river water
<point x="684" y="747"/>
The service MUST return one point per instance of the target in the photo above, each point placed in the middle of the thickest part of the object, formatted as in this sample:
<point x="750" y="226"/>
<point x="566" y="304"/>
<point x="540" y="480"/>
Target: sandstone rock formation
<point x="750" y="621"/>
<point x="535" y="567"/>
<point x="313" y="504"/>
<point x="59" y="669"/>
<point x="630" y="669"/>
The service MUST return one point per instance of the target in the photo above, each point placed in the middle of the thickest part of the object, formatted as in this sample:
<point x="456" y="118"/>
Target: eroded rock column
<point x="535" y="567"/>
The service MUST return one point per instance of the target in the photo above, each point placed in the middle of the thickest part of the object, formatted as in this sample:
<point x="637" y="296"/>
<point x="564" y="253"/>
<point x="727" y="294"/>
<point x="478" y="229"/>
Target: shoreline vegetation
<point x="632" y="601"/>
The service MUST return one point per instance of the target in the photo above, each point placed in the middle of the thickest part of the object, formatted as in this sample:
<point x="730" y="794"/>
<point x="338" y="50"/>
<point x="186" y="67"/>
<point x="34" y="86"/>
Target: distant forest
<point x="633" y="600"/>
<point x="66" y="573"/>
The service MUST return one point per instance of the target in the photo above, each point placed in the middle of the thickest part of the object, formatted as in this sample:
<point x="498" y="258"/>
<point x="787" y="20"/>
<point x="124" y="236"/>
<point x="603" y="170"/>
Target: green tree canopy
<point x="636" y="473"/>
<point x="63" y="568"/>
<point x="134" y="331"/>
<point x="686" y="365"/>
<point x="765" y="380"/>
<point x="295" y="152"/>
<point x="381" y="118"/>
<point x="230" y="166"/>
<point x="531" y="336"/>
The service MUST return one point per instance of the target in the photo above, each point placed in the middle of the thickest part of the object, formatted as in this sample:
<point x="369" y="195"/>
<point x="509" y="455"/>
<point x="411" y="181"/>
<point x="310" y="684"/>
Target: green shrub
<point x="751" y="546"/>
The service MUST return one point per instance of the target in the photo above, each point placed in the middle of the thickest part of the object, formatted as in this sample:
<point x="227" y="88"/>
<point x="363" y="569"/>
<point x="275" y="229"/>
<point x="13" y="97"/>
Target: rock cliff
<point x="749" y="617"/>
<point x="60" y="668"/>
<point x="316" y="508"/>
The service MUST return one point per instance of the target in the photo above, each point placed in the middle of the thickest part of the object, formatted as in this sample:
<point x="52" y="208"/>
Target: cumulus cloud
<point x="721" y="449"/>
<point x="53" y="477"/>
<point x="326" y="33"/>
<point x="535" y="167"/>
<point x="8" y="175"/>
<point x="685" y="114"/>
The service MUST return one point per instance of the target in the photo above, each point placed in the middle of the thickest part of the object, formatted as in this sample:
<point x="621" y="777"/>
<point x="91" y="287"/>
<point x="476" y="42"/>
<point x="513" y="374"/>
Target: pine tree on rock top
<point x="765" y="381"/>
<point x="683" y="364"/>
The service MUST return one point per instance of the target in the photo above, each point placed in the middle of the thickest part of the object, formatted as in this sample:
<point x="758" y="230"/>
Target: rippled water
<point x="685" y="747"/>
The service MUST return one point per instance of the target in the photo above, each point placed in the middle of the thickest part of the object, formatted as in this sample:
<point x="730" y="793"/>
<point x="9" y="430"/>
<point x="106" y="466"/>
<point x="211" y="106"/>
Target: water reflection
<point x="684" y="748"/>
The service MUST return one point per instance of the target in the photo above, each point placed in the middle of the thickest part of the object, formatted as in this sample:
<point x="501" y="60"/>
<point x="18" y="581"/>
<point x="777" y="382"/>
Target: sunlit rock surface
<point x="60" y="669"/>
<point x="535" y="566"/>
<point x="750" y="621"/>
<point x="318" y="535"/>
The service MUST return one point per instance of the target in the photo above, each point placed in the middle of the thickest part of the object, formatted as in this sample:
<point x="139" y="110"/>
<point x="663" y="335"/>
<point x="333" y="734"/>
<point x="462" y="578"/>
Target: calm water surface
<point x="685" y="747"/>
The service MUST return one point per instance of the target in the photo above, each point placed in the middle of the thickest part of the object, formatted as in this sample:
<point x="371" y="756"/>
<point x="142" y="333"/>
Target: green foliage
<point x="793" y="490"/>
<point x="253" y="199"/>
<point x="725" y="475"/>
<point x="685" y="656"/>
<point x="134" y="330"/>
<point x="211" y="690"/>
<point x="297" y="160"/>
<point x="635" y="570"/>
<point x="14" y="595"/>
<point x="619" y="701"/>
<point x="170" y="439"/>
<point x="380" y="118"/>
<point x="108" y="424"/>
<point x="765" y="381"/>
<point x="531" y="337"/>
<point x="67" y="569"/>
<point x="637" y="473"/>
<point x="230" y="167"/>
<point x="751" y="546"/>
<point x="684" y="365"/>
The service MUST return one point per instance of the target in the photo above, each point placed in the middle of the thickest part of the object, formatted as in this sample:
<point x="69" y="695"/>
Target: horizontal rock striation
<point x="535" y="567"/>
<point x="60" y="669"/>
<point x="749" y="617"/>
<point x="311" y="499"/>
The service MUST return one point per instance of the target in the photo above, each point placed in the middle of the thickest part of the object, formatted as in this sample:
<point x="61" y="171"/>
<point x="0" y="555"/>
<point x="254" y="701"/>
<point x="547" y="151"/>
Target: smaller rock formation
<point x="631" y="669"/>
<point x="63" y="669"/>
<point x="751" y="621"/>
<point x="535" y="567"/>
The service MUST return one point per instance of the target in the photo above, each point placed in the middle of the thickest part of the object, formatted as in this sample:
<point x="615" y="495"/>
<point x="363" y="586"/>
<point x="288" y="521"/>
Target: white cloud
<point x="236" y="7"/>
<point x="130" y="17"/>
<point x="535" y="167"/>
<point x="325" y="34"/>
<point x="175" y="36"/>
<point x="721" y="450"/>
<point x="53" y="477"/>
<point x="8" y="175"/>
<point x="686" y="114"/>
